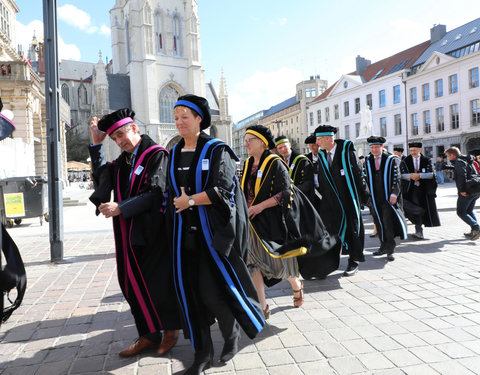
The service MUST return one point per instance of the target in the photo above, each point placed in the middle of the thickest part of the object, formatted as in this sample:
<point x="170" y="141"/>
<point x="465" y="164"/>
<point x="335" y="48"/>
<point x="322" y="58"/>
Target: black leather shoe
<point x="373" y="235"/>
<point x="230" y="348"/>
<point x="352" y="269"/>
<point x="390" y="257"/>
<point x="202" y="362"/>
<point x="378" y="253"/>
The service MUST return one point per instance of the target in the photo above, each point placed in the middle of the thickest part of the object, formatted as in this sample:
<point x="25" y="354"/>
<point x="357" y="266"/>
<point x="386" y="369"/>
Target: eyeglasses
<point x="248" y="140"/>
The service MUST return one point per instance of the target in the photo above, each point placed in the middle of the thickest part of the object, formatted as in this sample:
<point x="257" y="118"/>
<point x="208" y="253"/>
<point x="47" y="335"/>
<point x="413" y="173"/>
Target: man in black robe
<point x="343" y="191"/>
<point x="300" y="167"/>
<point x="138" y="180"/>
<point x="311" y="142"/>
<point x="383" y="179"/>
<point x="398" y="151"/>
<point x="419" y="190"/>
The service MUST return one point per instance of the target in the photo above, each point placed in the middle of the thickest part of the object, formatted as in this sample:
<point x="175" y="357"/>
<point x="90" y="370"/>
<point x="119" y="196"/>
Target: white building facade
<point x="428" y="93"/>
<point x="449" y="115"/>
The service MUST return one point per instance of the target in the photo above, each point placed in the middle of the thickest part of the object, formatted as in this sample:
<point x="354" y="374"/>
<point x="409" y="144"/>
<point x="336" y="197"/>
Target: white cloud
<point x="279" y="21"/>
<point x="74" y="16"/>
<point x="25" y="34"/>
<point x="68" y="51"/>
<point x="262" y="90"/>
<point x="80" y="19"/>
<point x="105" y="30"/>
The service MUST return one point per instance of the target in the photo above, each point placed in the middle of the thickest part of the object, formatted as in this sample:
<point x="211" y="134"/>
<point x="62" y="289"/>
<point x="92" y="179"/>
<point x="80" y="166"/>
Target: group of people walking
<point x="195" y="243"/>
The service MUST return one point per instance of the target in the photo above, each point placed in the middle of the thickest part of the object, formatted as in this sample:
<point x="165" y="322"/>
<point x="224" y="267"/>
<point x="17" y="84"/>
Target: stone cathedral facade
<point x="157" y="44"/>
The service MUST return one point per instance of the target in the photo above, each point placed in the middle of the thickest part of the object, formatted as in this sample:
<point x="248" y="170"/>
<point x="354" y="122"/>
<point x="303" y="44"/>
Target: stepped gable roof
<point x="281" y="106"/>
<point x="453" y="40"/>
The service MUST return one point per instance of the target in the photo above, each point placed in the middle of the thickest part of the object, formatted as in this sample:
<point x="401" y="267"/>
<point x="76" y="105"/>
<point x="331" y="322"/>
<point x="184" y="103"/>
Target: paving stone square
<point x="417" y="315"/>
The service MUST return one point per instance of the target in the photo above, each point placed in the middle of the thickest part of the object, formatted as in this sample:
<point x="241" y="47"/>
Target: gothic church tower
<point x="157" y="43"/>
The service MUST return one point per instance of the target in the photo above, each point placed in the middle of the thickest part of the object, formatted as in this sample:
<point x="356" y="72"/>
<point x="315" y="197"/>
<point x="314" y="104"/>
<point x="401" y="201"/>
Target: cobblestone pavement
<point x="417" y="315"/>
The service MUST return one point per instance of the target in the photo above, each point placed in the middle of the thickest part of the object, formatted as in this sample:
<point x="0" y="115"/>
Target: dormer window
<point x="473" y="30"/>
<point x="444" y="42"/>
<point x="458" y="36"/>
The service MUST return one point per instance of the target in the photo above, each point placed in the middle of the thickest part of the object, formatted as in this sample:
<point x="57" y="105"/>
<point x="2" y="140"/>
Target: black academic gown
<point x="224" y="237"/>
<point x="142" y="250"/>
<point x="294" y="223"/>
<point x="382" y="184"/>
<point x="343" y="190"/>
<point x="12" y="276"/>
<point x="426" y="193"/>
<point x="301" y="172"/>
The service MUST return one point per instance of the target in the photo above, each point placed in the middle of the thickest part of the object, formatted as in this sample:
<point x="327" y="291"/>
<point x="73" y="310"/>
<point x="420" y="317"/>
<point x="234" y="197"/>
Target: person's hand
<point x="254" y="211"/>
<point x="109" y="209"/>
<point x="393" y="200"/>
<point x="97" y="135"/>
<point x="415" y="176"/>
<point x="181" y="202"/>
<point x="464" y="194"/>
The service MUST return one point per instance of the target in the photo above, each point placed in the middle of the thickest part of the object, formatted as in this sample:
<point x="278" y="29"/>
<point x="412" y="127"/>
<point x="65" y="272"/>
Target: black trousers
<point x="209" y="296"/>
<point x="415" y="197"/>
<point x="387" y="243"/>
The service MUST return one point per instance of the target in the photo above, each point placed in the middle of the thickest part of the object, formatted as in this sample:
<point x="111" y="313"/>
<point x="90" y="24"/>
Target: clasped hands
<point x="109" y="209"/>
<point x="181" y="202"/>
<point x="415" y="176"/>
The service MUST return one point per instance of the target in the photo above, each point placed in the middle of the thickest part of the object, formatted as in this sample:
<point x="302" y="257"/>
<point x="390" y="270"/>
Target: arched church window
<point x="158" y="25"/>
<point x="177" y="41"/>
<point x="82" y="95"/>
<point x="168" y="97"/>
<point x="66" y="93"/>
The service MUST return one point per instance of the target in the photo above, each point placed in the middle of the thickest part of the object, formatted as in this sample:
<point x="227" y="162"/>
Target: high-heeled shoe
<point x="266" y="312"/>
<point x="298" y="301"/>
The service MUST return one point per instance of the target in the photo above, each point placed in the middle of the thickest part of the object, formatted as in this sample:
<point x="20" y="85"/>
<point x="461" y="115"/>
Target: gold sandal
<point x="298" y="301"/>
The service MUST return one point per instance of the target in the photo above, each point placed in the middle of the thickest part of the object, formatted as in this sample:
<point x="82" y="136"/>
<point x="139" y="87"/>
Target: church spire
<point x="223" y="97"/>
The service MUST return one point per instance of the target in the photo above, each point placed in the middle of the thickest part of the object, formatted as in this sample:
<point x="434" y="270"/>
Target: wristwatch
<point x="191" y="202"/>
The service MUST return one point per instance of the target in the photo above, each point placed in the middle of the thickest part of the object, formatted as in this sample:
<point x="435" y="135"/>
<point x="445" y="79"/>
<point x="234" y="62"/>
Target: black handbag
<point x="472" y="185"/>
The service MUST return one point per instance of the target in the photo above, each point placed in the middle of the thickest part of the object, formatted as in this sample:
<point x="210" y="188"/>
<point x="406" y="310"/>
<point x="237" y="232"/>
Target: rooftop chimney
<point x="437" y="32"/>
<point x="361" y="63"/>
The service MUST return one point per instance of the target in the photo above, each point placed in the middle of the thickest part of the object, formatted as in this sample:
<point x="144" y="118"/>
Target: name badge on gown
<point x="315" y="178"/>
<point x="205" y="164"/>
<point x="259" y="173"/>
<point x="292" y="166"/>
<point x="423" y="170"/>
<point x="138" y="170"/>
<point x="342" y="172"/>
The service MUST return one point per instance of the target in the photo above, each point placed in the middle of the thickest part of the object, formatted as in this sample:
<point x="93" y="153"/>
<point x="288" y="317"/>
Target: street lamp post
<point x="54" y="155"/>
<point x="404" y="80"/>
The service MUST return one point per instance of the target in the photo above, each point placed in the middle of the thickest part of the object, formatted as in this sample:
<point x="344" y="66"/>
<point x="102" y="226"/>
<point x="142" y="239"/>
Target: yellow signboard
<point x="14" y="206"/>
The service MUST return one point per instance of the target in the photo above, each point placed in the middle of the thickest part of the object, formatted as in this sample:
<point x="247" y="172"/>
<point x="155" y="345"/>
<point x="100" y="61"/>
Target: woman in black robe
<point x="209" y="237"/>
<point x="283" y="222"/>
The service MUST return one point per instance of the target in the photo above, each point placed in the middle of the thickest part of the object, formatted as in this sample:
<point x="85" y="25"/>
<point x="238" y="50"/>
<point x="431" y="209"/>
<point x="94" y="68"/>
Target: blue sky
<point x="266" y="46"/>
